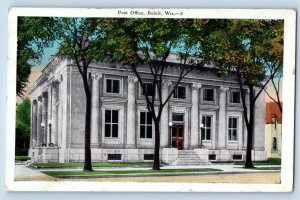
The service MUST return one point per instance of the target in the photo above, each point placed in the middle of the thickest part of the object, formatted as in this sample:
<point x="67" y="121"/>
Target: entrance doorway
<point x="177" y="136"/>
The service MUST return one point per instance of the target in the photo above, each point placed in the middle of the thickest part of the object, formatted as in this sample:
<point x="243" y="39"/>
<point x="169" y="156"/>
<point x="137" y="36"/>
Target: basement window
<point x="237" y="157"/>
<point x="114" y="156"/>
<point x="148" y="156"/>
<point x="212" y="157"/>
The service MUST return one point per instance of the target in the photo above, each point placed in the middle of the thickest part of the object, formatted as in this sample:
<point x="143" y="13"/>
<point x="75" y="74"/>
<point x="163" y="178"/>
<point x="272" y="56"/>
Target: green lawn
<point x="21" y="158"/>
<point x="75" y="165"/>
<point x="125" y="172"/>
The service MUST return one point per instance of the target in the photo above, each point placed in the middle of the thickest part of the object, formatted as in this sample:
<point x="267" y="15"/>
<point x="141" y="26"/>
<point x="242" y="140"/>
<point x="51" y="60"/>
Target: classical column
<point x="34" y="123"/>
<point x="44" y="117"/>
<point x="95" y="112"/>
<point x="49" y="117"/>
<point x="60" y="108"/>
<point x="131" y="132"/>
<point x="222" y="117"/>
<point x="54" y="114"/>
<point x="39" y="121"/>
<point x="195" y="115"/>
<point x="164" y="122"/>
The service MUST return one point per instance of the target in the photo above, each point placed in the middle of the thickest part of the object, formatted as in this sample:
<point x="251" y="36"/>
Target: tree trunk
<point x="250" y="129"/>
<point x="87" y="130"/>
<point x="156" y="146"/>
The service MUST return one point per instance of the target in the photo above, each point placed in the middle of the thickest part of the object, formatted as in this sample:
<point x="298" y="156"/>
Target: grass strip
<point x="125" y="172"/>
<point x="74" y="165"/>
<point x="266" y="168"/>
<point x="21" y="158"/>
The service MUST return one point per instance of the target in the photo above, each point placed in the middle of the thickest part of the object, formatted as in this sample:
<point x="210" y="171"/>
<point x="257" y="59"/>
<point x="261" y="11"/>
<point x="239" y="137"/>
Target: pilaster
<point x="164" y="123"/>
<point x="195" y="115"/>
<point x="131" y="119"/>
<point x="222" y="132"/>
<point x="95" y="111"/>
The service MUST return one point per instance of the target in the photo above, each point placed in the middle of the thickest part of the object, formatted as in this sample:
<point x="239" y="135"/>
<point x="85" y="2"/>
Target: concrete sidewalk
<point x="25" y="173"/>
<point x="21" y="170"/>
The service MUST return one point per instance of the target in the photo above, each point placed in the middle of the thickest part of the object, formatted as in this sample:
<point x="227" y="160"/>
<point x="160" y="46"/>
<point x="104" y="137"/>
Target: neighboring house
<point x="203" y="121"/>
<point x="273" y="130"/>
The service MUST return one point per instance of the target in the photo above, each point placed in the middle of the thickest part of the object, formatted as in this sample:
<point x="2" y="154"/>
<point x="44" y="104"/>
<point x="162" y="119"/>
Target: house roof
<point x="272" y="111"/>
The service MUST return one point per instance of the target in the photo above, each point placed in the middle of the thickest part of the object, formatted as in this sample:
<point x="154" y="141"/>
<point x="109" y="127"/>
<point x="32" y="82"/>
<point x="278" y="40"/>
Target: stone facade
<point x="205" y="111"/>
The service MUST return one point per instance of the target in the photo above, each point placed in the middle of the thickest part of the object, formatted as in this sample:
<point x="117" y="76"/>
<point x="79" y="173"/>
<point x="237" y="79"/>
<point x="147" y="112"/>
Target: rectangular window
<point x="148" y="89"/>
<point x="274" y="143"/>
<point x="112" y="86"/>
<point x="177" y="117"/>
<point x="208" y="94"/>
<point x="212" y="157"/>
<point x="179" y="92"/>
<point x="148" y="156"/>
<point x="145" y="125"/>
<point x="275" y="123"/>
<point x="235" y="97"/>
<point x="232" y="128"/>
<point x="207" y="126"/>
<point x="111" y="123"/>
<point x="237" y="157"/>
<point x="114" y="156"/>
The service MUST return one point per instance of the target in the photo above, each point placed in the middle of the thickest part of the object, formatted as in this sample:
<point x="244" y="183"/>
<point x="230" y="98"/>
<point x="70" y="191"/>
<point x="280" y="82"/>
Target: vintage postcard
<point x="165" y="100"/>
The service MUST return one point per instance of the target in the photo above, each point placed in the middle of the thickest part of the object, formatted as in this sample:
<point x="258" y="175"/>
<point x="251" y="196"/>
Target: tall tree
<point x="34" y="35"/>
<point x="250" y="50"/>
<point x="82" y="41"/>
<point x="22" y="127"/>
<point x="138" y="42"/>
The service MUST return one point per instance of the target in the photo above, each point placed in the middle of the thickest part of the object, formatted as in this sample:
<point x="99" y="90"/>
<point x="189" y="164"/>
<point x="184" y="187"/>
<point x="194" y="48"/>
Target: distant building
<point x="203" y="121"/>
<point x="273" y="134"/>
<point x="34" y="75"/>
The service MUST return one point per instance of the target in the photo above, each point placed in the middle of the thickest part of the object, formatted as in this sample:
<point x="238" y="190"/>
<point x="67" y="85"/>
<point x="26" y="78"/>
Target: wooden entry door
<point x="177" y="136"/>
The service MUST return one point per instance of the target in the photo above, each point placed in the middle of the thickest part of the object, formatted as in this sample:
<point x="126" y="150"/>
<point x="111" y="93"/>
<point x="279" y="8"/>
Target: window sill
<point x="179" y="99"/>
<point x="235" y="104"/>
<point x="208" y="141"/>
<point x="112" y="94"/>
<point x="208" y="102"/>
<point x="146" y="139"/>
<point x="108" y="138"/>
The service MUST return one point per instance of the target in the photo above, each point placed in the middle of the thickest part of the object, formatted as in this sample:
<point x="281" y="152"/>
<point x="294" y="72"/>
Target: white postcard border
<point x="288" y="96"/>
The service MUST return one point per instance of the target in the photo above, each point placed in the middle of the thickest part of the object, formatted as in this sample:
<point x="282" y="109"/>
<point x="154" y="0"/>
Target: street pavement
<point x="23" y="172"/>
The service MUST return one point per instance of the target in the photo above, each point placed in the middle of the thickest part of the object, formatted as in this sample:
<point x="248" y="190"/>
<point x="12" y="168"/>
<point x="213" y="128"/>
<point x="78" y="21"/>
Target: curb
<point x="161" y="174"/>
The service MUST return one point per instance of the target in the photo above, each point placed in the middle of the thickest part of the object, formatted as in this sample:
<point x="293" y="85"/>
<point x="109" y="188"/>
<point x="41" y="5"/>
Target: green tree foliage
<point x="34" y="35"/>
<point x="135" y="42"/>
<point x="82" y="40"/>
<point x="22" y="127"/>
<point x="253" y="49"/>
